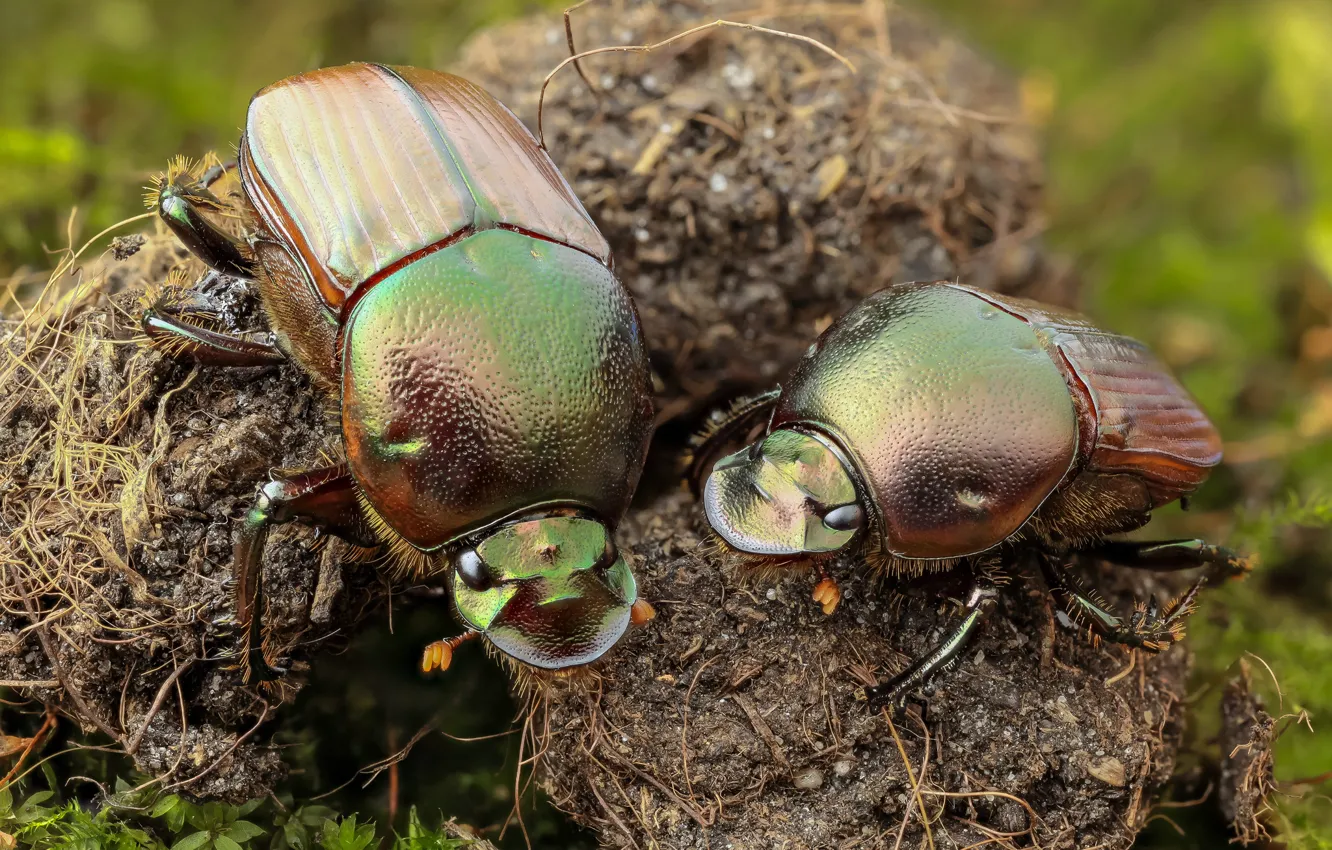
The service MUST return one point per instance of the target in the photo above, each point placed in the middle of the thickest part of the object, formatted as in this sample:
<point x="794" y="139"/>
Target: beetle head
<point x="552" y="592"/>
<point x="789" y="494"/>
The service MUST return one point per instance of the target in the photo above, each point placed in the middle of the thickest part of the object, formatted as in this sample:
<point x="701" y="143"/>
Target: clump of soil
<point x="1247" y="735"/>
<point x="733" y="717"/>
<point x="752" y="190"/>
<point x="122" y="473"/>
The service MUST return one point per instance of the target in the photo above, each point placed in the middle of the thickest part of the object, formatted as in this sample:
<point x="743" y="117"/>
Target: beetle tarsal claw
<point x="827" y="594"/>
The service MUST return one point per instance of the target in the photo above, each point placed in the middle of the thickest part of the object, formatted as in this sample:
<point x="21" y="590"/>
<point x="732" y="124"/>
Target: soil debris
<point x="1247" y="735"/>
<point x="121" y="475"/>
<point x="733" y="720"/>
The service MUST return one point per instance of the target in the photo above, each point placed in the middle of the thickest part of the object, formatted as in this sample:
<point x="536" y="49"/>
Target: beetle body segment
<point x="957" y="421"/>
<point x="555" y="592"/>
<point x="493" y="376"/>
<point x="1134" y="417"/>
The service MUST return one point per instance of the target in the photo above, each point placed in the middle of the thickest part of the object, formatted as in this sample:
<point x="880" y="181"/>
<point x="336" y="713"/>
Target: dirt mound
<point x="753" y="187"/>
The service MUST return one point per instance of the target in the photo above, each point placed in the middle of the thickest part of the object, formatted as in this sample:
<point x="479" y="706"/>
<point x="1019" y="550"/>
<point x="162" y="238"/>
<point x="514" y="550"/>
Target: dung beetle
<point x="936" y="426"/>
<point x="418" y="254"/>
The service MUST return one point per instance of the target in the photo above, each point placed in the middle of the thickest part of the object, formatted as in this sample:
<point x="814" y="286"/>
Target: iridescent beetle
<point x="419" y="255"/>
<point x="936" y="425"/>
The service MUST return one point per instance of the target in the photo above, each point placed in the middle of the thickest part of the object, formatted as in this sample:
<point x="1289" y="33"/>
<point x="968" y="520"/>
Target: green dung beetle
<point x="418" y="254"/>
<point x="937" y="426"/>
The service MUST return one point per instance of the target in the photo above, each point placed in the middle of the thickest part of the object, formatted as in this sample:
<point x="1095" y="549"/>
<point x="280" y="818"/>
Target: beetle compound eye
<point x="845" y="518"/>
<point x="472" y="571"/>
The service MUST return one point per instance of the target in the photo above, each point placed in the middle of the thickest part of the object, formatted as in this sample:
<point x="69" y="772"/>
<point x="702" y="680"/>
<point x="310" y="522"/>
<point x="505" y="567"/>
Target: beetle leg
<point x="180" y="328"/>
<point x="722" y="427"/>
<point x="1149" y="627"/>
<point x="209" y="347"/>
<point x="216" y="172"/>
<point x="325" y="498"/>
<point x="979" y="603"/>
<point x="1171" y="555"/>
<point x="179" y="202"/>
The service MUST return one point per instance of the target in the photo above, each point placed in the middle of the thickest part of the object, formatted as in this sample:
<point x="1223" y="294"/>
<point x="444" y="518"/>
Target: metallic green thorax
<point x="772" y="499"/>
<point x="559" y="595"/>
<point x="955" y="416"/>
<point x="487" y="379"/>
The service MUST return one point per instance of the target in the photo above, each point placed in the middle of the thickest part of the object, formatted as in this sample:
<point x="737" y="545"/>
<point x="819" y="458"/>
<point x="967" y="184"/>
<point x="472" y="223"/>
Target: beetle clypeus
<point x="937" y="426"/>
<point x="419" y="255"/>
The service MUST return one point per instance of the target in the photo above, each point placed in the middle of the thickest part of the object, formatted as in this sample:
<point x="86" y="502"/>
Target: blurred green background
<point x="1190" y="179"/>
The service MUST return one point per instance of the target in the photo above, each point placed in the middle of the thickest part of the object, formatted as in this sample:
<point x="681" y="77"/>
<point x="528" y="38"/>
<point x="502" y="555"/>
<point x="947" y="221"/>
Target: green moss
<point x="150" y="820"/>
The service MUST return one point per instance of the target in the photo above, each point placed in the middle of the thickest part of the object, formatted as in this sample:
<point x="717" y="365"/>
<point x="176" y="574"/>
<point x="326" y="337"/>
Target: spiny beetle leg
<point x="215" y="173"/>
<point x="178" y="204"/>
<point x="1150" y="627"/>
<point x="979" y="603"/>
<point x="172" y="330"/>
<point x="721" y="428"/>
<point x="1172" y="555"/>
<point x="324" y="498"/>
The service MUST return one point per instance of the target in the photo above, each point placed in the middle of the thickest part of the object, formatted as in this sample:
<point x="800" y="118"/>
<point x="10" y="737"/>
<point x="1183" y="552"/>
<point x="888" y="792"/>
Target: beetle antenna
<point x="647" y="48"/>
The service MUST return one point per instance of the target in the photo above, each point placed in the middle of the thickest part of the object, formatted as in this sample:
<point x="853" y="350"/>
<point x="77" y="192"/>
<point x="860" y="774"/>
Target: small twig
<point x="1133" y="660"/>
<point x="684" y="724"/>
<point x="1310" y="780"/>
<point x="645" y="48"/>
<point x="29" y="683"/>
<point x="1035" y="819"/>
<point x="373" y="770"/>
<point x="568" y="36"/>
<point x="762" y="729"/>
<point x="601" y="745"/>
<point x="1186" y="804"/>
<point x="517" y="812"/>
<point x="1281" y="699"/>
<point x="1168" y="820"/>
<point x="393" y="777"/>
<point x="133" y="746"/>
<point x="915" y="784"/>
<point x="506" y="733"/>
<point x="689" y="808"/>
